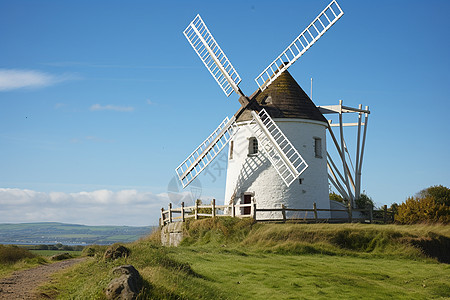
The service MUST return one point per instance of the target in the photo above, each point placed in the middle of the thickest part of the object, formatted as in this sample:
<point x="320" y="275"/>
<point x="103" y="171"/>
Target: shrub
<point x="12" y="254"/>
<point x="94" y="250"/>
<point x="431" y="205"/>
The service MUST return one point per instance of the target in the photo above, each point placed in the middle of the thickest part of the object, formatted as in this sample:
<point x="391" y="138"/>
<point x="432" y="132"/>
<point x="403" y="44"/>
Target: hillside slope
<point x="238" y="259"/>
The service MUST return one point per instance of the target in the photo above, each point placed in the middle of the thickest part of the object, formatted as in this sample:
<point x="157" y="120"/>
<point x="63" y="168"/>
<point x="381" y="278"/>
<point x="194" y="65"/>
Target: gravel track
<point x="22" y="284"/>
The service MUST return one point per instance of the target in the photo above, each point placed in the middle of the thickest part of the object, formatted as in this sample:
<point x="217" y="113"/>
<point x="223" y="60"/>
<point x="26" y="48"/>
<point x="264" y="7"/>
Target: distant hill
<point x="69" y="234"/>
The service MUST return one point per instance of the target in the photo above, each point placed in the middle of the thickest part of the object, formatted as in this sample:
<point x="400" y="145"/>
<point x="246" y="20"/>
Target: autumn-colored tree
<point x="336" y="197"/>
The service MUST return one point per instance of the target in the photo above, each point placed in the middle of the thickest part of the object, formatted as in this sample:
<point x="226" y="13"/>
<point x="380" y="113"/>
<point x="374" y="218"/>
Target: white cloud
<point x="100" y="207"/>
<point x="97" y="107"/>
<point x="11" y="79"/>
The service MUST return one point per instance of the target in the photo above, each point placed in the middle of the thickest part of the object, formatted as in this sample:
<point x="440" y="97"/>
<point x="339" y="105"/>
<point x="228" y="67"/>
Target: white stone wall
<point x="255" y="173"/>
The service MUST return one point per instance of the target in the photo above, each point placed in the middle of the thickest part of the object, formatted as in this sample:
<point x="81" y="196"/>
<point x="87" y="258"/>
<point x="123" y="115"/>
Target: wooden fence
<point x="211" y="211"/>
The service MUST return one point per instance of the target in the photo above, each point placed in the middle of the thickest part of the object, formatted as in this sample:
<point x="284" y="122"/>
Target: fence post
<point x="349" y="212"/>
<point x="182" y="211"/>
<point x="170" y="212"/>
<point x="385" y="214"/>
<point x="213" y="207"/>
<point x="283" y="212"/>
<point x="196" y="209"/>
<point x="254" y="209"/>
<point x="315" y="211"/>
<point x="233" y="214"/>
<point x="162" y="216"/>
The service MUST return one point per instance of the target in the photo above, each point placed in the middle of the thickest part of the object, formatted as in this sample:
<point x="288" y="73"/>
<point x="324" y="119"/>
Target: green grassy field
<point x="236" y="259"/>
<point x="48" y="253"/>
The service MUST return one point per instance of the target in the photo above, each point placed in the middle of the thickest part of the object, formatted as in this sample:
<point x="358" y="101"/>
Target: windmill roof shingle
<point x="284" y="98"/>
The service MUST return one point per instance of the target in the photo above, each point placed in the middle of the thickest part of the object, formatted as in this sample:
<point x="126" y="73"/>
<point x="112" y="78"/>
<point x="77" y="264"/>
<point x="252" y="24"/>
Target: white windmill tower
<point x="271" y="131"/>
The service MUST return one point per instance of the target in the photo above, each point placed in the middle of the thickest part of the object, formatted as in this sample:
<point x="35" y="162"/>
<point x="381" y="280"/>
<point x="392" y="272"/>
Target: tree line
<point x="430" y="205"/>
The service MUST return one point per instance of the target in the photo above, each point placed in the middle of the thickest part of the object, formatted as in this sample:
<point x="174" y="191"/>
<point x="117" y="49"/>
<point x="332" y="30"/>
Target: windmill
<point x="254" y="120"/>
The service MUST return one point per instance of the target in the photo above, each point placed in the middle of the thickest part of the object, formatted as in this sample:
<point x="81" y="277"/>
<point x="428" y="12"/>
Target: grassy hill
<point x="52" y="233"/>
<point x="237" y="259"/>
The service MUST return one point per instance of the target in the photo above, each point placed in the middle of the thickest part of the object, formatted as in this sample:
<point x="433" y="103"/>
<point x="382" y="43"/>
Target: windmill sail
<point x="206" y="152"/>
<point x="301" y="44"/>
<point x="281" y="153"/>
<point x="212" y="56"/>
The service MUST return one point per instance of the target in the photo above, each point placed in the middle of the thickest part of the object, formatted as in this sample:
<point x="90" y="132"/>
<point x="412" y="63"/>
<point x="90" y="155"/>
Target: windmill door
<point x="247" y="200"/>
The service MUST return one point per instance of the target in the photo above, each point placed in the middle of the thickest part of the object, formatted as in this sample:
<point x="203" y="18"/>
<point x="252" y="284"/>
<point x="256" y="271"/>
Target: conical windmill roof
<point x="284" y="98"/>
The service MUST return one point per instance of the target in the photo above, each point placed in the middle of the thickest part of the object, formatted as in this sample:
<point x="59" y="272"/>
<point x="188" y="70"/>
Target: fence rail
<point x="250" y="210"/>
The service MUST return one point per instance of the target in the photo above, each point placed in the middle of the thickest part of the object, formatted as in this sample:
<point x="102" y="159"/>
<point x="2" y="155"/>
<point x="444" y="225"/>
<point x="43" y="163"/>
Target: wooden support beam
<point x="170" y="212"/>
<point x="182" y="211"/>
<point x="344" y="164"/>
<point x="196" y="209"/>
<point x="330" y="160"/>
<point x="349" y="208"/>
<point x="336" y="144"/>
<point x="315" y="211"/>
<point x="366" y="120"/>
<point x="339" y="188"/>
<point x="358" y="142"/>
<point x="283" y="212"/>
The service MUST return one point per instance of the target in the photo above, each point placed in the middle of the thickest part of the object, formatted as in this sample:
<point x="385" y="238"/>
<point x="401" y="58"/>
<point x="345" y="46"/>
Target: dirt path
<point x="22" y="284"/>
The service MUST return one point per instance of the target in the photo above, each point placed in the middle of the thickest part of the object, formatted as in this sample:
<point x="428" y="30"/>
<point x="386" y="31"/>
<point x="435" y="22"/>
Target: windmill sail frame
<point x="300" y="45"/>
<point x="212" y="56"/>
<point x="286" y="160"/>
<point x="200" y="158"/>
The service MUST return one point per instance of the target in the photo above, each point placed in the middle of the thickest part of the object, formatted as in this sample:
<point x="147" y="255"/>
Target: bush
<point x="94" y="250"/>
<point x="12" y="254"/>
<point x="61" y="256"/>
<point x="430" y="205"/>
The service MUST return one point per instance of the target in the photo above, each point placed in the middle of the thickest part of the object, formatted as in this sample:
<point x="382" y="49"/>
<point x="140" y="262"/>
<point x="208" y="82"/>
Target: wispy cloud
<point x="100" y="207"/>
<point x="59" y="105"/>
<point x="114" y="66"/>
<point x="97" y="107"/>
<point x="12" y="79"/>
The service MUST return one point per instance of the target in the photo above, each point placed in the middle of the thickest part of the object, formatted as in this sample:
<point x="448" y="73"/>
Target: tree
<point x="364" y="202"/>
<point x="440" y="193"/>
<point x="336" y="197"/>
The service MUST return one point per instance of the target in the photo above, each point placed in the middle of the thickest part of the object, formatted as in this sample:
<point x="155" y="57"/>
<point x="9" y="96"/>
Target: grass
<point x="238" y="259"/>
<point x="48" y="253"/>
<point x="246" y="275"/>
<point x="13" y="258"/>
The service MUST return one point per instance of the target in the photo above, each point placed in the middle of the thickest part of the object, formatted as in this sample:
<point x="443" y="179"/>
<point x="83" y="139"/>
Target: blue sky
<point x="101" y="100"/>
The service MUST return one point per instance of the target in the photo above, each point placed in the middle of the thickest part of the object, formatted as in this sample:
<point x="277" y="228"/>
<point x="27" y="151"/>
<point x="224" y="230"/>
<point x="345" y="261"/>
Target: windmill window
<point x="252" y="146"/>
<point x="267" y="100"/>
<point x="318" y="147"/>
